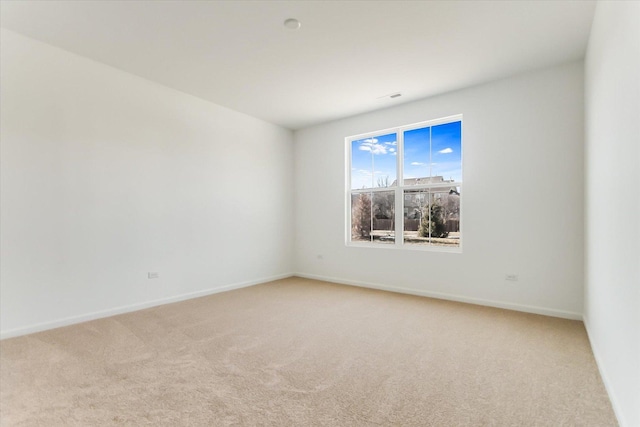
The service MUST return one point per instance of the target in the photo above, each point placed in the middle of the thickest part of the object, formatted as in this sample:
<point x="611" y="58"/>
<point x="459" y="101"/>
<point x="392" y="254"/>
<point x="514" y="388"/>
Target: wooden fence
<point x="452" y="225"/>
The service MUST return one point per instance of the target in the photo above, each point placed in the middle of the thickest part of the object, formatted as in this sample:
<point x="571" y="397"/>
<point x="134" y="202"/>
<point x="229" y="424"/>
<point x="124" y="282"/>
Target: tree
<point x="452" y="205"/>
<point x="383" y="182"/>
<point x="383" y="205"/>
<point x="361" y="216"/>
<point x="433" y="221"/>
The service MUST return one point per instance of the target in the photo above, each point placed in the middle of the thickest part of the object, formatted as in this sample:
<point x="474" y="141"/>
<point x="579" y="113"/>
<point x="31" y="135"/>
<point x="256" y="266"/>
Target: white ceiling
<point x="345" y="57"/>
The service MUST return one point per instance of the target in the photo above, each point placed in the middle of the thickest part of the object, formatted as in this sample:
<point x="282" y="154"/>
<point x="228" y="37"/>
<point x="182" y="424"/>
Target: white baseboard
<point x="451" y="297"/>
<point x="603" y="374"/>
<point x="134" y="307"/>
<point x="147" y="304"/>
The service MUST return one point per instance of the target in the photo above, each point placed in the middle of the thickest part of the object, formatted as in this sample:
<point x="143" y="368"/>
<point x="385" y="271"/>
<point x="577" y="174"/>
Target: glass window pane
<point x="373" y="162"/>
<point x="435" y="228"/>
<point x="383" y="212"/>
<point x="446" y="151"/>
<point x="417" y="157"/>
<point x="361" y="217"/>
<point x="415" y="206"/>
<point x="432" y="217"/>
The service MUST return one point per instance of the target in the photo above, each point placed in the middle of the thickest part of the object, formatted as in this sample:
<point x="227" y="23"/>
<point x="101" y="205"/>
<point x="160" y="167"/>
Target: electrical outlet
<point x="511" y="277"/>
<point x="153" y="275"/>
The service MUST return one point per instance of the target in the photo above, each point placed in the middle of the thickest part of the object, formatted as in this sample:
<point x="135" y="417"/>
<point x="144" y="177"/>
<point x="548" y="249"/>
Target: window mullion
<point x="371" y="216"/>
<point x="399" y="224"/>
<point x="430" y="155"/>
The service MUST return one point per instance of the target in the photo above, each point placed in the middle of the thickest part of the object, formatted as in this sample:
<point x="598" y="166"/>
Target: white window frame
<point x="400" y="187"/>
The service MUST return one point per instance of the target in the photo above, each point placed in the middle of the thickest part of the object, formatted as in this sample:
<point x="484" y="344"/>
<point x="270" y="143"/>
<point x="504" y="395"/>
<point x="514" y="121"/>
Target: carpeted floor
<point x="299" y="352"/>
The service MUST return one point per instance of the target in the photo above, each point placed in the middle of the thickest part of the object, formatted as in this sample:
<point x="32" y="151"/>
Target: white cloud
<point x="392" y="143"/>
<point x="417" y="164"/>
<point x="393" y="150"/>
<point x="372" y="146"/>
<point x="446" y="151"/>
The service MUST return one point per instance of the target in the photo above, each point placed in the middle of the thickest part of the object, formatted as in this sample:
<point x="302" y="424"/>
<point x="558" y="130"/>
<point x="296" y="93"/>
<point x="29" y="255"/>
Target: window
<point x="407" y="178"/>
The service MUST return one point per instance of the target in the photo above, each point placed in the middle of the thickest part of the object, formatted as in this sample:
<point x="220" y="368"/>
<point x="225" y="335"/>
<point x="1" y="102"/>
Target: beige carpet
<point x="299" y="352"/>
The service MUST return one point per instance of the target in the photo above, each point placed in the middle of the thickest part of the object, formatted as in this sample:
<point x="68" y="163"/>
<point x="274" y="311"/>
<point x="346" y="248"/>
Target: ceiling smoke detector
<point x="292" y="24"/>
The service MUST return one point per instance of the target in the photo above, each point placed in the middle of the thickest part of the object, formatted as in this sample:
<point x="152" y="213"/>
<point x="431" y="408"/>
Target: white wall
<point x="612" y="225"/>
<point x="522" y="198"/>
<point x="106" y="176"/>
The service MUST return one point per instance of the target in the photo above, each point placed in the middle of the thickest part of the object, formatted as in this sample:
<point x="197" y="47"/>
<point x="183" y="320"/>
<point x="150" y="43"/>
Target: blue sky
<point x="442" y="158"/>
<point x="372" y="159"/>
<point x="429" y="151"/>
